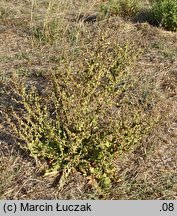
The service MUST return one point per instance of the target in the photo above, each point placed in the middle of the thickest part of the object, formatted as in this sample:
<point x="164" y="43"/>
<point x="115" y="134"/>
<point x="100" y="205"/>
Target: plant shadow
<point x="143" y="16"/>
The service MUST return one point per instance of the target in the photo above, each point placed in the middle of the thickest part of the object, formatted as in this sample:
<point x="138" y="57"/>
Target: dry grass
<point x="34" y="39"/>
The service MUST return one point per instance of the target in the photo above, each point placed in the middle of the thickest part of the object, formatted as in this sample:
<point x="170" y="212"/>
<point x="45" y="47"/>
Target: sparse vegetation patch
<point x="124" y="8"/>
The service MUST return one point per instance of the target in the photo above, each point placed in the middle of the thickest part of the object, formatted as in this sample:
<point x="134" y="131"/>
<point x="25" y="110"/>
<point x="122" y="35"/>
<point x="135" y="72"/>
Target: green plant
<point x="124" y="8"/>
<point x="87" y="117"/>
<point x="164" y="12"/>
<point x="110" y="8"/>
